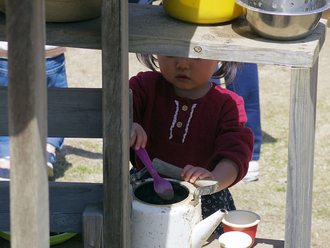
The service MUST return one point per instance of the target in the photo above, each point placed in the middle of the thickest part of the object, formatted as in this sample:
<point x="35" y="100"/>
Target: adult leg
<point x="246" y="84"/>
<point x="56" y="77"/>
<point x="4" y="140"/>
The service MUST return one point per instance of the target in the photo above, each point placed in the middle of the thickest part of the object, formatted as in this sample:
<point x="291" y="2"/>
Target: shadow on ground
<point x="266" y="138"/>
<point x="62" y="165"/>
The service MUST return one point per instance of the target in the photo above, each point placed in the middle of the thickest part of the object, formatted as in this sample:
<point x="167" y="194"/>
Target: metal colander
<point x="286" y="7"/>
<point x="283" y="19"/>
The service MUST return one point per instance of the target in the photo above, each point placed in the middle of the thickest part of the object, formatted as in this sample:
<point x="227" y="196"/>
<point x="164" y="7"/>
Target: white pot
<point x="170" y="225"/>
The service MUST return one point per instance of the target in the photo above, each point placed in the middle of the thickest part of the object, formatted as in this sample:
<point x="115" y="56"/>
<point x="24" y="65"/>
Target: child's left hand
<point x="192" y="173"/>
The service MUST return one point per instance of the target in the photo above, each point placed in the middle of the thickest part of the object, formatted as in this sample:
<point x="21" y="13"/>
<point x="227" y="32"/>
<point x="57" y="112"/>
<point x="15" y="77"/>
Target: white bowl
<point x="235" y="239"/>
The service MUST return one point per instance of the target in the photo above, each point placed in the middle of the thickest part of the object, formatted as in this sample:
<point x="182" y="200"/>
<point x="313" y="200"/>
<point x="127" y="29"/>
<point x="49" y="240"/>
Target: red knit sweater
<point x="199" y="132"/>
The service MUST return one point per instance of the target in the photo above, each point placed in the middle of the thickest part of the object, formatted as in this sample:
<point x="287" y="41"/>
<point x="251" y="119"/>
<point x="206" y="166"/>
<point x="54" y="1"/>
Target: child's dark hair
<point x="226" y="68"/>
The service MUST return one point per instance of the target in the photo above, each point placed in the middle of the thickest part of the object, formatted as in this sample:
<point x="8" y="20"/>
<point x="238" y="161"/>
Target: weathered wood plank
<point x="93" y="226"/>
<point x="27" y="124"/>
<point x="72" y="112"/>
<point x="227" y="41"/>
<point x="62" y="222"/>
<point x="76" y="242"/>
<point x="151" y="30"/>
<point x="67" y="202"/>
<point x="82" y="34"/>
<point x="213" y="242"/>
<point x="116" y="197"/>
<point x="301" y="157"/>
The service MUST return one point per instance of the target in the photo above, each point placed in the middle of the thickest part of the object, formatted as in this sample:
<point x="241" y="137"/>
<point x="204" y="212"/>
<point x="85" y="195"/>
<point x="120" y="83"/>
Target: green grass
<point x="85" y="170"/>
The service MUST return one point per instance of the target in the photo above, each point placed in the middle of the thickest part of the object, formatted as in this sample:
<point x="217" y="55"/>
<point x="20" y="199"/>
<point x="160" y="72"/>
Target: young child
<point x="182" y="118"/>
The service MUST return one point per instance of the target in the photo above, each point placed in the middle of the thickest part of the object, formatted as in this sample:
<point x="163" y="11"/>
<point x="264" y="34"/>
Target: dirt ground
<point x="79" y="155"/>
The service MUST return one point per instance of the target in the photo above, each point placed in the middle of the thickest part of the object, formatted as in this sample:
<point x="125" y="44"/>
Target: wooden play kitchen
<point x="103" y="210"/>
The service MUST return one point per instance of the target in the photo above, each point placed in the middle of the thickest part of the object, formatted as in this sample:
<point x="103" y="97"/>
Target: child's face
<point x="187" y="75"/>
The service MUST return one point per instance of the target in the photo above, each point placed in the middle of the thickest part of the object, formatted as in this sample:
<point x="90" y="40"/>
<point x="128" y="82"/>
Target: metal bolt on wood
<point x="197" y="49"/>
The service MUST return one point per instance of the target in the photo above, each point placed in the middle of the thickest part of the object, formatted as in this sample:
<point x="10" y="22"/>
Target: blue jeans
<point x="246" y="85"/>
<point x="56" y="77"/>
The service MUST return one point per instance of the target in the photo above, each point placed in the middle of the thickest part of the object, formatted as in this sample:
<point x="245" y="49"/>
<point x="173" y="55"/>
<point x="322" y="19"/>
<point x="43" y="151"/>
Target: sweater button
<point x="179" y="124"/>
<point x="184" y="107"/>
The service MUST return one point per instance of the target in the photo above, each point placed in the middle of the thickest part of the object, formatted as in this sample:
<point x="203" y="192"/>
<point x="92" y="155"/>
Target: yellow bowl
<point x="203" y="11"/>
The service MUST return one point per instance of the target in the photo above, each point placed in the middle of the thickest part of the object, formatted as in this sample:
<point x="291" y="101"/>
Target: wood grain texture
<point x="232" y="41"/>
<point x="93" y="226"/>
<point x="67" y="202"/>
<point x="116" y="197"/>
<point x="76" y="242"/>
<point x="301" y="156"/>
<point x="27" y="124"/>
<point x="72" y="112"/>
<point x="213" y="242"/>
<point x="151" y="30"/>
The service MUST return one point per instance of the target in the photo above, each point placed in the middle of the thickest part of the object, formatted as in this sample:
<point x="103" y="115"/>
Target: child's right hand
<point x="192" y="173"/>
<point x="139" y="137"/>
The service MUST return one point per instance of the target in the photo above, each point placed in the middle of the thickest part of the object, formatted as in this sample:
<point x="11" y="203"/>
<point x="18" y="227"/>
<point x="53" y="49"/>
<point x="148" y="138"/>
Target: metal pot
<point x="283" y="19"/>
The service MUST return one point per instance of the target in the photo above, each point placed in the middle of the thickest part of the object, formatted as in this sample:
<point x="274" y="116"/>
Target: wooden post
<point x="93" y="226"/>
<point x="116" y="200"/>
<point x="301" y="157"/>
<point x="27" y="124"/>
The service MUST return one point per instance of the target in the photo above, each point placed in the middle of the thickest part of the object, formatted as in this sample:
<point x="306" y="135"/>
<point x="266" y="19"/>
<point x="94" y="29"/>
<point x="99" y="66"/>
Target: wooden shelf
<point x="77" y="242"/>
<point x="151" y="30"/>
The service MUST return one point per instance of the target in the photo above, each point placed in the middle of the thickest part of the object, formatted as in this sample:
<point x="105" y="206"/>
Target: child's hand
<point x="139" y="137"/>
<point x="192" y="173"/>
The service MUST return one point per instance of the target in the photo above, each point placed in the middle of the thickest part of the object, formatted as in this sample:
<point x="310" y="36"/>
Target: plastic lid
<point x="235" y="239"/>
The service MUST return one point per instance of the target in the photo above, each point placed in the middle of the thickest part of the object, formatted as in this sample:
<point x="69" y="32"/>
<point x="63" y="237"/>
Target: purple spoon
<point x="162" y="187"/>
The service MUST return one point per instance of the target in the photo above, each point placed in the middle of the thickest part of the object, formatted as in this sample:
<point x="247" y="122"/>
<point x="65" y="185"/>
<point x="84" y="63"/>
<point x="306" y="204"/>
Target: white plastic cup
<point x="235" y="239"/>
